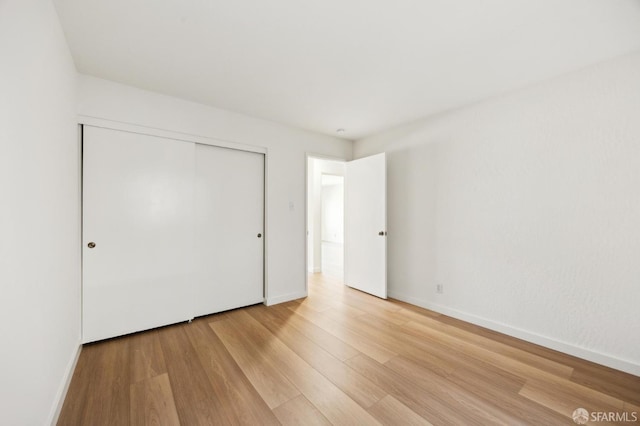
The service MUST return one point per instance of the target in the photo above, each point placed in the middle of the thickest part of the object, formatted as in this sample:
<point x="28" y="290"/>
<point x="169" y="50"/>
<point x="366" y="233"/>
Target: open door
<point x="365" y="223"/>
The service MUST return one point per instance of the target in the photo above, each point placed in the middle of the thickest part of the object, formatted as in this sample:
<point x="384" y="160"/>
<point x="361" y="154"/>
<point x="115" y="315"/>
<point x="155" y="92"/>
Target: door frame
<point x="181" y="137"/>
<point x="315" y="156"/>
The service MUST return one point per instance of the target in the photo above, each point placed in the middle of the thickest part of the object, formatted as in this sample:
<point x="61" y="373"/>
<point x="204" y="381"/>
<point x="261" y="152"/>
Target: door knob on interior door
<point x="259" y="235"/>
<point x="91" y="244"/>
<point x="382" y="233"/>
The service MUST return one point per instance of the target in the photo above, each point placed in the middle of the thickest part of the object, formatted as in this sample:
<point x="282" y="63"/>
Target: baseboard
<point x="64" y="386"/>
<point x="285" y="298"/>
<point x="577" y="351"/>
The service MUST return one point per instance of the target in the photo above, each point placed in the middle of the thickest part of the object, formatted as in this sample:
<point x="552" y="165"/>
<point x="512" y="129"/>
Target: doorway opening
<point x="325" y="218"/>
<point x="346" y="223"/>
<point x="332" y="225"/>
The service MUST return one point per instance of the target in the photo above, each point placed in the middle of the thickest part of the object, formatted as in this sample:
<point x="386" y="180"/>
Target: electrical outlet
<point x="439" y="288"/>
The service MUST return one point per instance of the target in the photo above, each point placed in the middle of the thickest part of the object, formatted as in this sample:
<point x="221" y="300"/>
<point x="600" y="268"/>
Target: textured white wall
<point x="39" y="213"/>
<point x="287" y="148"/>
<point x="526" y="208"/>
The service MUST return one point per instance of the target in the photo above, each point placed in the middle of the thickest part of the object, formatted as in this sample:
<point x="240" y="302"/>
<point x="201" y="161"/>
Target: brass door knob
<point x="91" y="244"/>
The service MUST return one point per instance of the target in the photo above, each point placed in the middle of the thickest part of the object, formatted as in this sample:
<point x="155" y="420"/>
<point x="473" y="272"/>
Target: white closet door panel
<point x="365" y="241"/>
<point x="229" y="217"/>
<point x="138" y="209"/>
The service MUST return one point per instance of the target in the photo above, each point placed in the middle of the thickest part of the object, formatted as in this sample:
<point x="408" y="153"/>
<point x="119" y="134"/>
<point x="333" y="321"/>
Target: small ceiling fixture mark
<point x="340" y="130"/>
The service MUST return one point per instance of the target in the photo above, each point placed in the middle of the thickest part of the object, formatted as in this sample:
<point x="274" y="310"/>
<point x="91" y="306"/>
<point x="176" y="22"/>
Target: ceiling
<point x="360" y="65"/>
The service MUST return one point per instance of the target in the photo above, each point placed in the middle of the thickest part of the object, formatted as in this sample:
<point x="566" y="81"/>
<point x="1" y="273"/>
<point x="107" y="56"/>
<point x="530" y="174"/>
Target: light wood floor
<point x="338" y="357"/>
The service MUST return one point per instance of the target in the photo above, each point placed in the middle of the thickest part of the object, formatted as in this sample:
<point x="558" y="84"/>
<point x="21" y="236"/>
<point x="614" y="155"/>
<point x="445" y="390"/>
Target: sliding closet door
<point x="229" y="229"/>
<point x="137" y="232"/>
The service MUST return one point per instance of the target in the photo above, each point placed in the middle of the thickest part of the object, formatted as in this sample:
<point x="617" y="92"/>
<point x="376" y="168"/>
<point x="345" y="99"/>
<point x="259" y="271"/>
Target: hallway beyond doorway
<point x="333" y="260"/>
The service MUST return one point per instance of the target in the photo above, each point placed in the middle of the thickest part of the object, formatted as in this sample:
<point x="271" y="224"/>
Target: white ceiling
<point x="361" y="65"/>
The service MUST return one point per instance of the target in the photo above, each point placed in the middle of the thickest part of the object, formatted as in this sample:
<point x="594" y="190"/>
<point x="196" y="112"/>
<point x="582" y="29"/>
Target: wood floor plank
<point x="363" y="302"/>
<point x="319" y="300"/>
<point x="314" y="303"/>
<point x="152" y="402"/>
<point x="147" y="359"/>
<point x="632" y="408"/>
<point x="560" y="370"/>
<point x="239" y="400"/>
<point x="339" y="356"/>
<point x="529" y="372"/>
<point x="393" y="337"/>
<point x="414" y="397"/>
<point x="499" y="386"/>
<point x="624" y="386"/>
<point x="75" y="403"/>
<point x="272" y="385"/>
<point x="565" y="399"/>
<point x="359" y="388"/>
<point x="391" y="412"/>
<point x="431" y="354"/>
<point x="347" y="310"/>
<point x="334" y="404"/>
<point x="192" y="391"/>
<point x="398" y="316"/>
<point x="451" y="394"/>
<point x="519" y="368"/>
<point x="299" y="411"/>
<point x="330" y="343"/>
<point x="591" y="369"/>
<point x="455" y="365"/>
<point x="104" y="391"/>
<point x="404" y="306"/>
<point x="364" y="345"/>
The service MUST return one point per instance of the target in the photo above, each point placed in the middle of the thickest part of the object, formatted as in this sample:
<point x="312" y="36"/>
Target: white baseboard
<point x="64" y="386"/>
<point x="285" y="298"/>
<point x="577" y="351"/>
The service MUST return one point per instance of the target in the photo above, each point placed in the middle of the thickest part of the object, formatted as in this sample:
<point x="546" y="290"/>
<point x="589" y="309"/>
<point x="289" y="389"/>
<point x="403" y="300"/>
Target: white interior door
<point x="229" y="229"/>
<point x="138" y="210"/>
<point x="365" y="241"/>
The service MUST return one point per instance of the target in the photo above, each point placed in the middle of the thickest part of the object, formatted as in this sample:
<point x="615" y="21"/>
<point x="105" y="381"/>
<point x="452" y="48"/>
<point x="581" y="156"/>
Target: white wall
<point x="332" y="212"/>
<point x="39" y="213"/>
<point x="287" y="148"/>
<point x="526" y="208"/>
